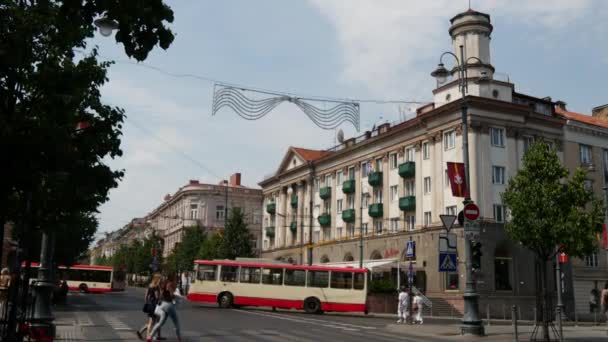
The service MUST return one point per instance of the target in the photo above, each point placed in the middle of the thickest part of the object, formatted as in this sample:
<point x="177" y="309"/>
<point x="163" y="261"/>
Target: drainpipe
<point x="311" y="179"/>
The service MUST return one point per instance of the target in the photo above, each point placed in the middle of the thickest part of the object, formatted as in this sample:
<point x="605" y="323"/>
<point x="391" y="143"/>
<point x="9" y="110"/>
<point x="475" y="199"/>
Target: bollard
<point x="514" y="321"/>
<point x="504" y="313"/>
<point x="488" y="312"/>
<point x="559" y="324"/>
<point x="519" y="312"/>
<point x="595" y="317"/>
<point x="575" y="317"/>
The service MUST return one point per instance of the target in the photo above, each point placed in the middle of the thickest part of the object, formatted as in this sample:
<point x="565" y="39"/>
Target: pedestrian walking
<point x="151" y="300"/>
<point x="403" y="306"/>
<point x="185" y="283"/>
<point x="417" y="306"/>
<point x="5" y="283"/>
<point x="166" y="309"/>
<point x="604" y="297"/>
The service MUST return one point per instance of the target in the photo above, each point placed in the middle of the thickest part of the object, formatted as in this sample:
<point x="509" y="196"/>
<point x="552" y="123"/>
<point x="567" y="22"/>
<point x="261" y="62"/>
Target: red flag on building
<point x="458" y="180"/>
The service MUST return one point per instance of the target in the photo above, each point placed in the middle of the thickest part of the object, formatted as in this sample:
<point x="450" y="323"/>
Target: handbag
<point x="148" y="308"/>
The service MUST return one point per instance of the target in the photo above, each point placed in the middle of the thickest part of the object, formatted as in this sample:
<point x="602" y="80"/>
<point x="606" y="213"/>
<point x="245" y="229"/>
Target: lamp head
<point x="441" y="73"/>
<point x="106" y="25"/>
<point x="289" y="190"/>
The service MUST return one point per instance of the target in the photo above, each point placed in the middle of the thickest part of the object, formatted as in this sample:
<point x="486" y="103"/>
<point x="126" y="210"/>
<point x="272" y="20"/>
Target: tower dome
<point x="472" y="30"/>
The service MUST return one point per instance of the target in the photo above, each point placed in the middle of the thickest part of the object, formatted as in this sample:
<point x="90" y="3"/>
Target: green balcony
<point x="293" y="226"/>
<point x="325" y="192"/>
<point x="324" y="220"/>
<point x="375" y="178"/>
<point x="375" y="210"/>
<point x="294" y="201"/>
<point x="271" y="208"/>
<point x="348" y="187"/>
<point x="348" y="215"/>
<point x="407" y="169"/>
<point x="407" y="203"/>
<point x="270" y="232"/>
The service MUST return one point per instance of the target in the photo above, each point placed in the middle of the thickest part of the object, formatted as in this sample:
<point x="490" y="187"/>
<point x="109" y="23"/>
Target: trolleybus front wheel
<point x="312" y="305"/>
<point x="225" y="300"/>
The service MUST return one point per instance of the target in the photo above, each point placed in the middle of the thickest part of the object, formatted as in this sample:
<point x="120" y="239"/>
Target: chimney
<point x="167" y="197"/>
<point x="561" y="105"/>
<point x="600" y="112"/>
<point x="194" y="182"/>
<point x="235" y="179"/>
<point x="383" y="128"/>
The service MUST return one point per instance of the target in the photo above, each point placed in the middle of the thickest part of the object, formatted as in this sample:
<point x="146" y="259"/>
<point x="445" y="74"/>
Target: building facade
<point x="206" y="206"/>
<point x="367" y="197"/>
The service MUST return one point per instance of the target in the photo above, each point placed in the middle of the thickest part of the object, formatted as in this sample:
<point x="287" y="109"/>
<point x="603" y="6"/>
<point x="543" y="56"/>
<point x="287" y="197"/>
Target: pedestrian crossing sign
<point x="410" y="249"/>
<point x="447" y="262"/>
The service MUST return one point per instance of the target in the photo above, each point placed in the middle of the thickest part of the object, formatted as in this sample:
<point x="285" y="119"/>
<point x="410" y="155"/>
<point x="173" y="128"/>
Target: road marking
<point x="328" y="324"/>
<point x="115" y="323"/>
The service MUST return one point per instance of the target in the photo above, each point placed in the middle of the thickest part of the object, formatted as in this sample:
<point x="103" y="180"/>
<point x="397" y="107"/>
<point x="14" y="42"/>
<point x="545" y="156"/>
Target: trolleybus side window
<point x="207" y="272"/>
<point x="318" y="278"/>
<point x="250" y="275"/>
<point x="295" y="277"/>
<point x="341" y="280"/>
<point x="229" y="273"/>
<point x="272" y="276"/>
<point x="359" y="281"/>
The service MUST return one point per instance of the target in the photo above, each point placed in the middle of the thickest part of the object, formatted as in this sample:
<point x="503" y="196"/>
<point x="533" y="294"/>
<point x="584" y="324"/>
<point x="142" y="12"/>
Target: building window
<point x="410" y="154"/>
<point x="339" y="206"/>
<point x="377" y="195"/>
<point x="394" y="194"/>
<point x="426" y="150"/>
<point x="317" y="184"/>
<point x="326" y="233"/>
<point x="328" y="180"/>
<point x="451" y="281"/>
<point x="588" y="184"/>
<point x="451" y="210"/>
<point x="498" y="175"/>
<point x="502" y="274"/>
<point x="427" y="185"/>
<point x="410" y="222"/>
<point x="364" y="169"/>
<point x="351" y="201"/>
<point x="592" y="260"/>
<point x="364" y="200"/>
<point x="449" y="140"/>
<point x="528" y="141"/>
<point x="327" y="206"/>
<point x="447" y="179"/>
<point x="393" y="160"/>
<point x="338" y="232"/>
<point x="394" y="225"/>
<point x="498" y="136"/>
<point x="193" y="211"/>
<point x="378" y="226"/>
<point x="315" y="236"/>
<point x="219" y="212"/>
<point x="427" y="218"/>
<point x="410" y="188"/>
<point x="365" y="228"/>
<point x="499" y="213"/>
<point x="606" y="166"/>
<point x="378" y="164"/>
<point x="257" y="216"/>
<point x="351" y="172"/>
<point x="585" y="152"/>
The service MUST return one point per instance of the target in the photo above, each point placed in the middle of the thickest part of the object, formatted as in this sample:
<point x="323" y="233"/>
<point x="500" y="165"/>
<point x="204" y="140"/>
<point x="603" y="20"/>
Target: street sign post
<point x="448" y="221"/>
<point x="447" y="262"/>
<point x="471" y="230"/>
<point x="447" y="243"/>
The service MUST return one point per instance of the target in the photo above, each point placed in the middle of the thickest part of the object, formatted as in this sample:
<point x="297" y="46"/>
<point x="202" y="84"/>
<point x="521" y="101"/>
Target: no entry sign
<point x="471" y="212"/>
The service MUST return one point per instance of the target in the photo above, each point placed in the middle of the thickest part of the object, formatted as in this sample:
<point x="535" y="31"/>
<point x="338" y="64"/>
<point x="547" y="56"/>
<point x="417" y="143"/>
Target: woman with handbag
<point x="166" y="309"/>
<point x="151" y="300"/>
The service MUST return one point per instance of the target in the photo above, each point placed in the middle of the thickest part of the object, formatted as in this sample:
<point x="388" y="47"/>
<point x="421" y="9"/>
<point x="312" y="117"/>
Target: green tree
<point x="236" y="241"/>
<point x="549" y="210"/>
<point x="211" y="247"/>
<point x="53" y="174"/>
<point x="187" y="250"/>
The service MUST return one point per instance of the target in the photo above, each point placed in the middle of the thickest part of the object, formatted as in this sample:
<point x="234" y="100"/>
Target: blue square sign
<point x="448" y="262"/>
<point x="410" y="249"/>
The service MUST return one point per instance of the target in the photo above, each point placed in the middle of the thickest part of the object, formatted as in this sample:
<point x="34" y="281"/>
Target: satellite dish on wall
<point x="340" y="136"/>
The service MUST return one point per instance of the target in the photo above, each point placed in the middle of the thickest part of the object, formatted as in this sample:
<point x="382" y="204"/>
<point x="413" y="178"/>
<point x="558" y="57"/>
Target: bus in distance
<point x="314" y="289"/>
<point x="87" y="278"/>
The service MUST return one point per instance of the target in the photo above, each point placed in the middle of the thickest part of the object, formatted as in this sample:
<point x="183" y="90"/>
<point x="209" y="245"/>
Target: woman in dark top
<point x="152" y="299"/>
<point x="166" y="308"/>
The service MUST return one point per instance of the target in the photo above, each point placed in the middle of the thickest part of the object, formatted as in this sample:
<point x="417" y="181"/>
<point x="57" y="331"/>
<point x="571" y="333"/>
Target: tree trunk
<point x="544" y="294"/>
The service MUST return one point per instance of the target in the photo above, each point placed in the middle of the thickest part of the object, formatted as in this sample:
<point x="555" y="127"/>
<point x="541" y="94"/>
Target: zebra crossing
<point x="115" y="322"/>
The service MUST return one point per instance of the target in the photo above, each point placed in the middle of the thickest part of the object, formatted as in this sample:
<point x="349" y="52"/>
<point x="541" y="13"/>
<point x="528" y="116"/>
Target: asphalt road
<point x="116" y="316"/>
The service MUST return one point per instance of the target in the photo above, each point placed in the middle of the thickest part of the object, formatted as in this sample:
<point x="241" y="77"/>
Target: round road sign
<point x="471" y="211"/>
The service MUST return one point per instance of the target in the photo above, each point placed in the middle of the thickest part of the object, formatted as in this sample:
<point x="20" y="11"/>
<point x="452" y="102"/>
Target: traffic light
<point x="476" y="255"/>
<point x="461" y="218"/>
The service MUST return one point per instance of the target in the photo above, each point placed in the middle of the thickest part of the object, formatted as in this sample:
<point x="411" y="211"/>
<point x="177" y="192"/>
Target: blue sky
<point x="362" y="49"/>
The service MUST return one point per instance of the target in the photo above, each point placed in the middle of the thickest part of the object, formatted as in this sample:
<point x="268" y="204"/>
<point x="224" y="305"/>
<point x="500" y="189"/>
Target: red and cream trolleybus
<point x="88" y="278"/>
<point x="314" y="289"/>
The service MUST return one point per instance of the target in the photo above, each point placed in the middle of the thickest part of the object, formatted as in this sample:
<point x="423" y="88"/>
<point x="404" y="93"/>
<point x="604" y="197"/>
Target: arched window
<point x="376" y="255"/>
<point x="324" y="259"/>
<point x="348" y="257"/>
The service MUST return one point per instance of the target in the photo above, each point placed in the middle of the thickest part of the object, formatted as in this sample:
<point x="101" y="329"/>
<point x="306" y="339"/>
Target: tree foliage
<point x="548" y="209"/>
<point x="184" y="254"/>
<point x="211" y="247"/>
<point x="55" y="176"/>
<point x="236" y="241"/>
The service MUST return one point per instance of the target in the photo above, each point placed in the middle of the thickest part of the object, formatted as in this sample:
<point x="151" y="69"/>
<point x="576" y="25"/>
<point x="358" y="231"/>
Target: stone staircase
<point x="444" y="307"/>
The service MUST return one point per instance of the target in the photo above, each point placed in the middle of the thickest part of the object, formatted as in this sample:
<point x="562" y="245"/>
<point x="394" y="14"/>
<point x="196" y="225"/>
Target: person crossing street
<point x="403" y="306"/>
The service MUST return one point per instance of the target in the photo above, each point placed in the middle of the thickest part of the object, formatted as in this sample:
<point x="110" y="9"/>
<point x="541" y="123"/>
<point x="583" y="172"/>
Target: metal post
<point x="514" y="321"/>
<point x="361" y="234"/>
<point x="471" y="323"/>
<point x="310" y="210"/>
<point x="560" y="304"/>
<point x="301" y="219"/>
<point x="43" y="288"/>
<point x="226" y="204"/>
<point x="488" y="313"/>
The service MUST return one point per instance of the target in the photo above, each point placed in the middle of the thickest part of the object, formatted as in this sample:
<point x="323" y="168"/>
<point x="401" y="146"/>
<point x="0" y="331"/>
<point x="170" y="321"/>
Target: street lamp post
<point x="471" y="322"/>
<point x="225" y="203"/>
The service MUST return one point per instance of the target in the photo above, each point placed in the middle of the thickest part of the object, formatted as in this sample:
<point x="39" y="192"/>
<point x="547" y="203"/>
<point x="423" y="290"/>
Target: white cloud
<point x="387" y="45"/>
